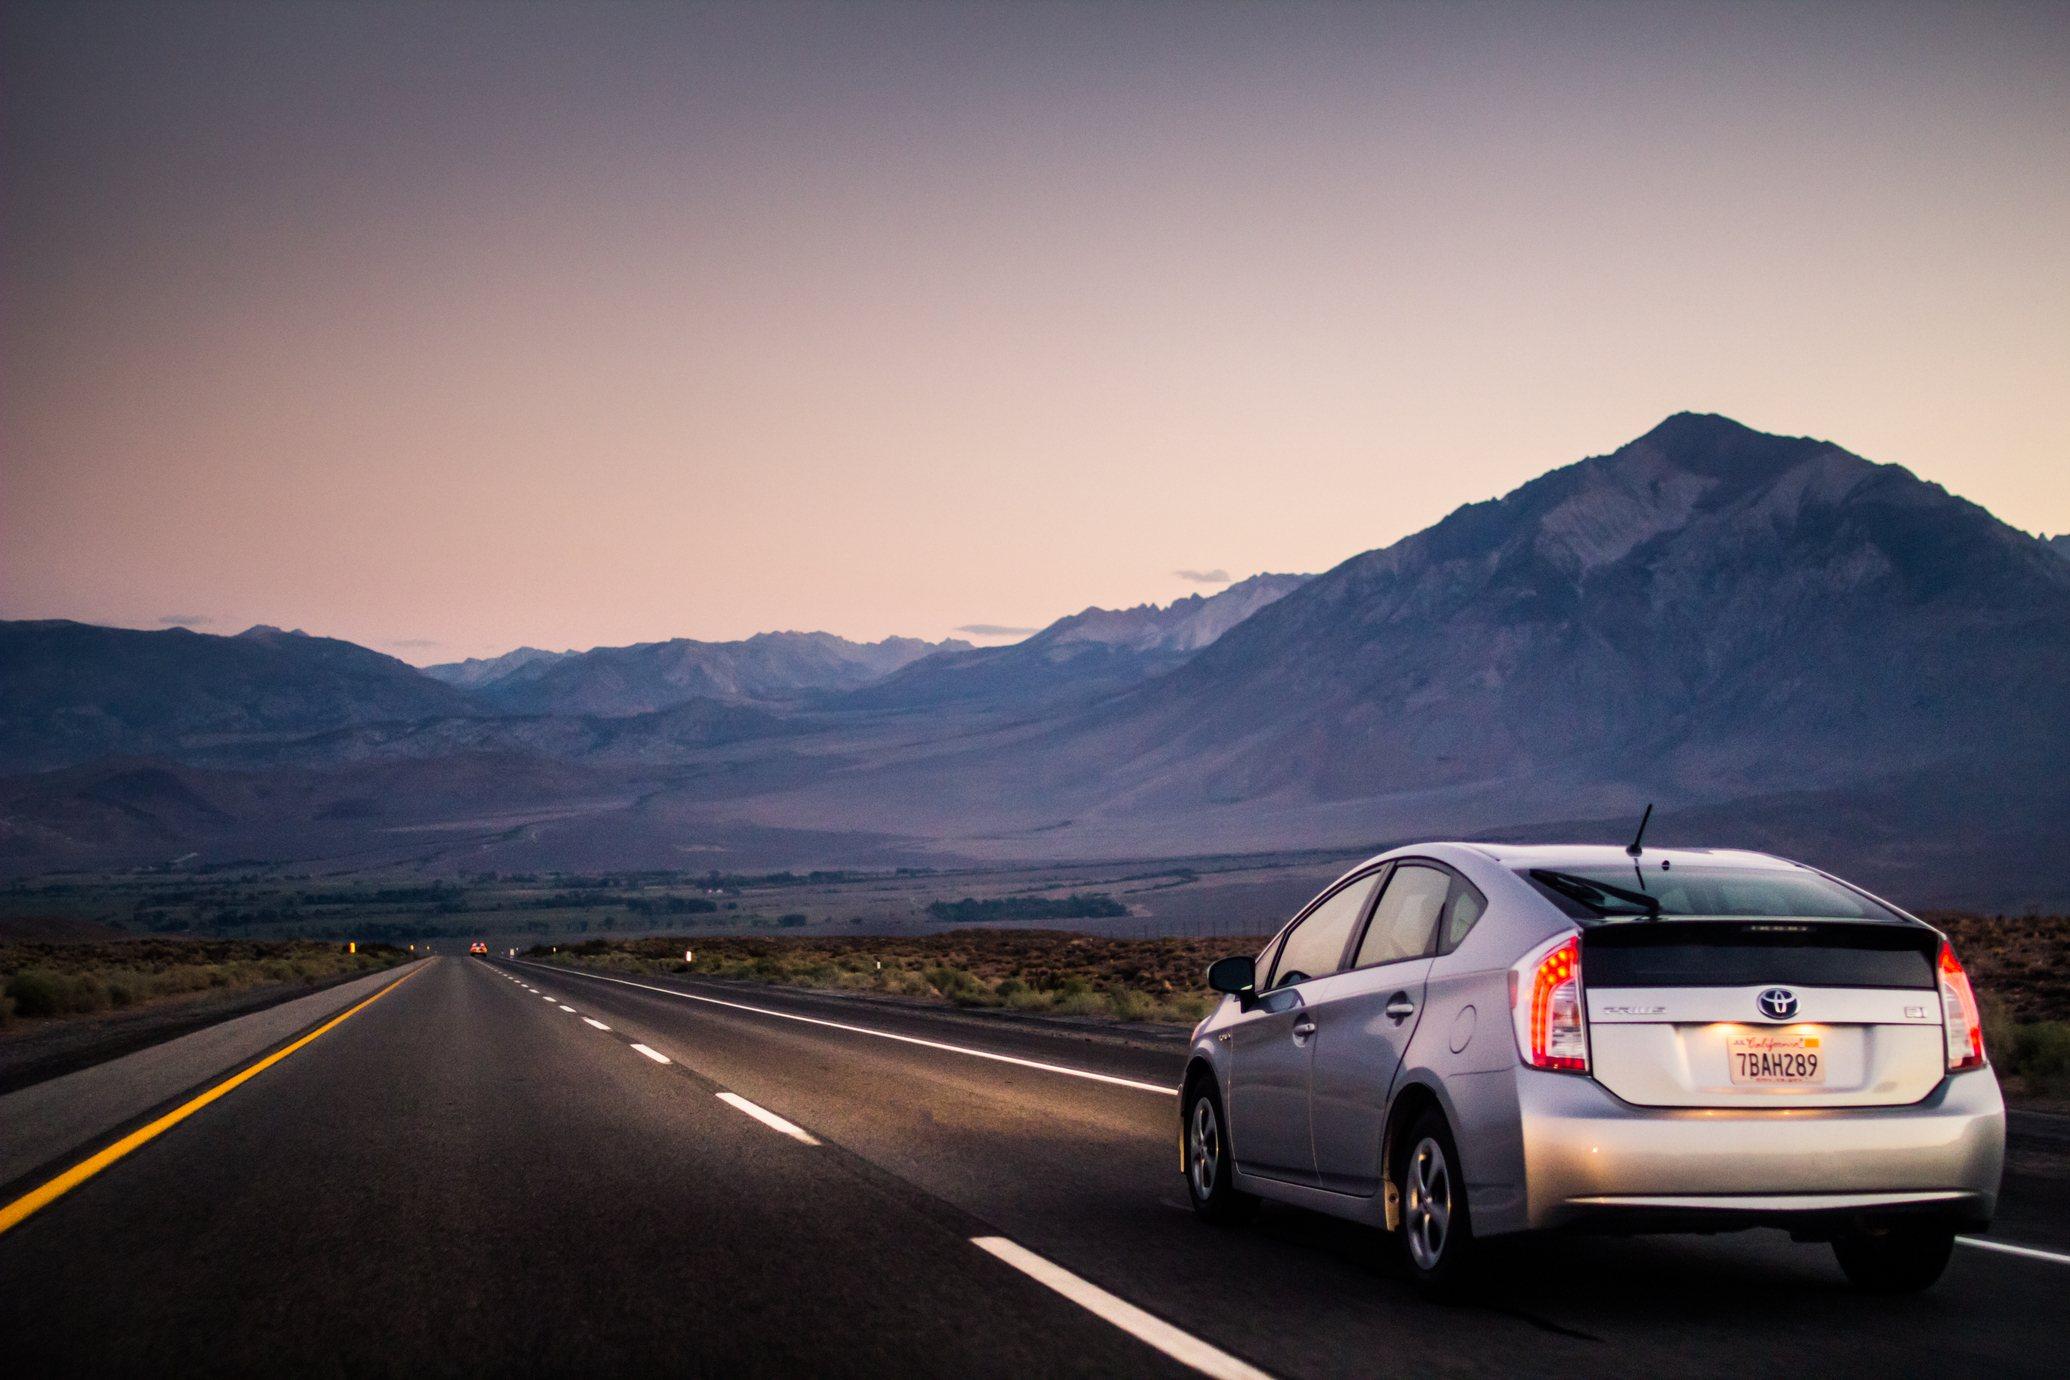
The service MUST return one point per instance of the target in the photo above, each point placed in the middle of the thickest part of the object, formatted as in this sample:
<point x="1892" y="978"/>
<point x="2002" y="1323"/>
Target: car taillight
<point x="1545" y="997"/>
<point x="1959" y="1013"/>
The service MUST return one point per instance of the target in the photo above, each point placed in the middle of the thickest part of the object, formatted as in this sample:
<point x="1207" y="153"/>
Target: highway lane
<point x="1085" y="1172"/>
<point x="525" y="1169"/>
<point x="466" y="1178"/>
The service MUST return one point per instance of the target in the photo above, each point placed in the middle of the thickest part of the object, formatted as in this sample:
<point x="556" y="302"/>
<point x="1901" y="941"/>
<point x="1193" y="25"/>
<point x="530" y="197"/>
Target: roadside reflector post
<point x="689" y="957"/>
<point x="351" y="946"/>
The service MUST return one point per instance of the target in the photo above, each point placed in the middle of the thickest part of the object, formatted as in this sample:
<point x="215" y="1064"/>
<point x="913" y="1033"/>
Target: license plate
<point x="1775" y="1059"/>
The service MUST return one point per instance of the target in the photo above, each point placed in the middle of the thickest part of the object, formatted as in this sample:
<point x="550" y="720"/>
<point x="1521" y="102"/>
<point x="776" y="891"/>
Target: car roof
<point x="1557" y="856"/>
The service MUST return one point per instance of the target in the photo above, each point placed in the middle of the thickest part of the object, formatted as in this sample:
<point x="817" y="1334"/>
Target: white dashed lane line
<point x="569" y="1009"/>
<point x="1183" y="1347"/>
<point x="586" y="1020"/>
<point x="1067" y="1071"/>
<point x="656" y="1055"/>
<point x="769" y="1118"/>
<point x="2007" y="1248"/>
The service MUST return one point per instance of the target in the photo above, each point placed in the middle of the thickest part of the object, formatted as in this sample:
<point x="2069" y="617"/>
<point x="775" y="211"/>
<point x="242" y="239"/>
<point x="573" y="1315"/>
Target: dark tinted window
<point x="1407" y="915"/>
<point x="1691" y="953"/>
<point x="1694" y="889"/>
<point x="1315" y="947"/>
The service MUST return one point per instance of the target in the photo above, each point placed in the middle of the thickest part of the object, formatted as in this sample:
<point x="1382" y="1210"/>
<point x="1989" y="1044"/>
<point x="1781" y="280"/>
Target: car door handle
<point x="1302" y="1030"/>
<point x="1400" y="1008"/>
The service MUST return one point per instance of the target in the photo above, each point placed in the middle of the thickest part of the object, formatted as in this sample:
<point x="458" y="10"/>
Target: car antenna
<point x="1634" y="848"/>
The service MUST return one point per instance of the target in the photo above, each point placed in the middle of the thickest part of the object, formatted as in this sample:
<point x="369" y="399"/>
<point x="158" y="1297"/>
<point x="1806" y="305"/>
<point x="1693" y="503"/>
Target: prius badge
<point x="1777" y="1003"/>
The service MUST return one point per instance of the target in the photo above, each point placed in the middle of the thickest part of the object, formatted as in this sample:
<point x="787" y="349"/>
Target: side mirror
<point x="1237" y="975"/>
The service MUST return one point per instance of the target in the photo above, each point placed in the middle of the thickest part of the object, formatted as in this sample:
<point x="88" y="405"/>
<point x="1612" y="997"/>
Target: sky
<point x="450" y="328"/>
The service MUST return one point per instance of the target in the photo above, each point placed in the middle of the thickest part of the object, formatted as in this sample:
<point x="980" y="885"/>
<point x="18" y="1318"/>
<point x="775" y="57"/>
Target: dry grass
<point x="1023" y="970"/>
<point x="2020" y="968"/>
<point x="2019" y="963"/>
<point x="53" y="981"/>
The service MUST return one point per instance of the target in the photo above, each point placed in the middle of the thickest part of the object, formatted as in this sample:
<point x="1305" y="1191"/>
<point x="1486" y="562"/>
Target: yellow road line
<point x="13" y="1214"/>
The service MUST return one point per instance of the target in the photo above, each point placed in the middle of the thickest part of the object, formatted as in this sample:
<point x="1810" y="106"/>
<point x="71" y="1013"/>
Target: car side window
<point x="1405" y="921"/>
<point x="1314" y="947"/>
<point x="1462" y="909"/>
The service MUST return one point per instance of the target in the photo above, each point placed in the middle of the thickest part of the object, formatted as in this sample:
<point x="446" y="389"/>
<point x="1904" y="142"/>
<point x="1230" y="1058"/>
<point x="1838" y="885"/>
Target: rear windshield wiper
<point x="1597" y="896"/>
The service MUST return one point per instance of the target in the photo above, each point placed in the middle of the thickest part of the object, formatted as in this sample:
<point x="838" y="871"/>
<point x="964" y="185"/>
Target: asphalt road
<point x="470" y="1176"/>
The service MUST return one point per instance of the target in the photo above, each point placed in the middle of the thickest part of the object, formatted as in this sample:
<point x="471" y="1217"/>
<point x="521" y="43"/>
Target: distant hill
<point x="476" y="672"/>
<point x="1707" y="614"/>
<point x="1707" y="611"/>
<point x="70" y="692"/>
<point x="1781" y="643"/>
<point x="1083" y="656"/>
<point x="655" y="675"/>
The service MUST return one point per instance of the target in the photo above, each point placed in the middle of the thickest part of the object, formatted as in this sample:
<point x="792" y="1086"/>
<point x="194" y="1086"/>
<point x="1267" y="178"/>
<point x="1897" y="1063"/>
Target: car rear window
<point x="1694" y="953"/>
<point x="1685" y="889"/>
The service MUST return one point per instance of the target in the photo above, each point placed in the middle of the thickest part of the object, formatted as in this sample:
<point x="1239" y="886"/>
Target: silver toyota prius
<point x="1455" y="1042"/>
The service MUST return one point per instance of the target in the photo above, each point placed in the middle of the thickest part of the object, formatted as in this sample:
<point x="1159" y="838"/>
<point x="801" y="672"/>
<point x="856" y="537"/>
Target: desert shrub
<point x="47" y="992"/>
<point x="960" y="986"/>
<point x="1084" y="1002"/>
<point x="1128" y="1005"/>
<point x="2039" y="1052"/>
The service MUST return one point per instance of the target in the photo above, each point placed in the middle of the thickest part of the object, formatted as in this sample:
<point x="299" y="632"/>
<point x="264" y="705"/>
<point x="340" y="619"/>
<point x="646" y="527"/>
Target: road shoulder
<point x="46" y="1121"/>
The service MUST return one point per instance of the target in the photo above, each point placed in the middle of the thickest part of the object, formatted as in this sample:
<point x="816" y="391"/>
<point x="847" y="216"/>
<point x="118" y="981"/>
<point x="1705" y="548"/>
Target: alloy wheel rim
<point x="1204" y="1146"/>
<point x="1428" y="1212"/>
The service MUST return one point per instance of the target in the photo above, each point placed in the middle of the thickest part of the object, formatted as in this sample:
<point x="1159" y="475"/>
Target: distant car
<point x="478" y="948"/>
<point x="1462" y="1041"/>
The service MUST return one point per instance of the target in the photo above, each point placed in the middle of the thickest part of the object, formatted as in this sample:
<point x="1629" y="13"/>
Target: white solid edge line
<point x="769" y="1118"/>
<point x="2032" y="1252"/>
<point x="569" y="1009"/>
<point x="656" y="1055"/>
<point x="591" y="1020"/>
<point x="1183" y="1347"/>
<point x="888" y="1035"/>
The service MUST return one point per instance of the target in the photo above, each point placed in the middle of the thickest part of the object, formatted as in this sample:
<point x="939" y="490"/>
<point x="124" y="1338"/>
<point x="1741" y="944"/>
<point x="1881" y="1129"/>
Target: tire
<point x="1902" y="1259"/>
<point x="1204" y="1153"/>
<point x="1436" y="1228"/>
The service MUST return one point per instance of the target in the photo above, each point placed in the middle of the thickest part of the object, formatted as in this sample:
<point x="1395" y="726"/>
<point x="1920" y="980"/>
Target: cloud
<point x="184" y="620"/>
<point x="995" y="630"/>
<point x="1217" y="576"/>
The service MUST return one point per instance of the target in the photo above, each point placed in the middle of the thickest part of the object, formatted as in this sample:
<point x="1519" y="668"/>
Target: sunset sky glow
<point x="446" y="328"/>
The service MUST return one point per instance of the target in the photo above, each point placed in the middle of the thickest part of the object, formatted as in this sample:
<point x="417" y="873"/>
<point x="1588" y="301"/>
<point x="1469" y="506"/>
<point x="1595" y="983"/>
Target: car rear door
<point x="1364" y="1019"/>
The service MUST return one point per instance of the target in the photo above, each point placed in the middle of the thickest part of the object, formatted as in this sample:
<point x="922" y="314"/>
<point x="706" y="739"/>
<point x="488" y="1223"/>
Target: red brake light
<point x="1554" y="1027"/>
<point x="1959" y="1014"/>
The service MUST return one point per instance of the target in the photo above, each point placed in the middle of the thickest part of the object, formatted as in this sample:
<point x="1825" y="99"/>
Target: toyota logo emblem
<point x="1777" y="1003"/>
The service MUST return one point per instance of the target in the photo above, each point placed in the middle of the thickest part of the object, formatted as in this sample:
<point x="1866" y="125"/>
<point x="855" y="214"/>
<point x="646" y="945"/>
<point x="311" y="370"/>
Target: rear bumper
<point x="1591" y="1160"/>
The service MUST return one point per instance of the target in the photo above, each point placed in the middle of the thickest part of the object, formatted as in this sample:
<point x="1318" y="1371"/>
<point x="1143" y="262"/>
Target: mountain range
<point x="1080" y="657"/>
<point x="1782" y="644"/>
<point x="657" y="675"/>
<point x="71" y="692"/>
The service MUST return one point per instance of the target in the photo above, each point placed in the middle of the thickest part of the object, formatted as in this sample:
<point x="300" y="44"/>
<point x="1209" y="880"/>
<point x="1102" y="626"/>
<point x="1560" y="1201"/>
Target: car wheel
<point x="1210" y="1178"/>
<point x="1894" y="1260"/>
<point x="1436" y="1229"/>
